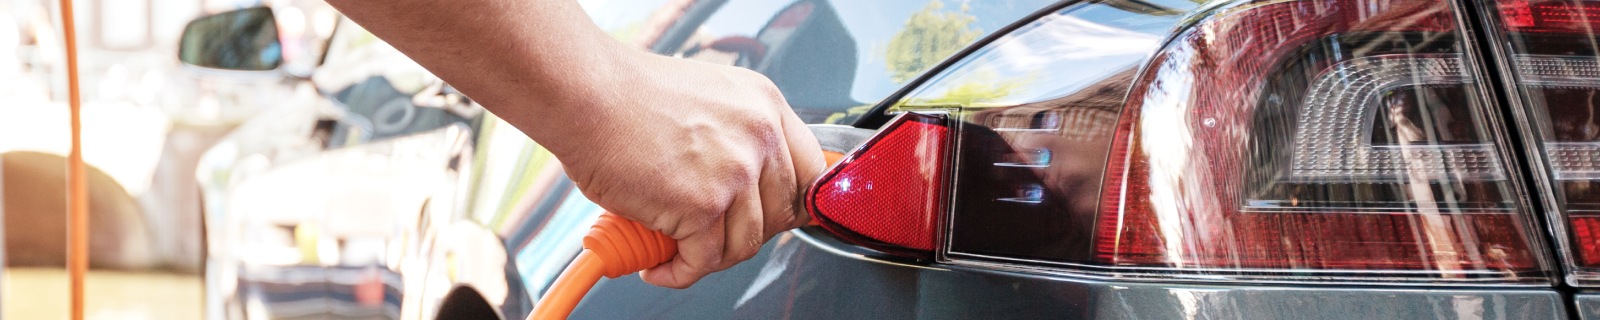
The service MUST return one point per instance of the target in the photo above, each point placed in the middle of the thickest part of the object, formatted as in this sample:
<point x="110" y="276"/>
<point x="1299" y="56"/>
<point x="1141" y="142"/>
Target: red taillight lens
<point x="1555" y="63"/>
<point x="1570" y="17"/>
<point x="1586" y="230"/>
<point x="1346" y="140"/>
<point x="888" y="194"/>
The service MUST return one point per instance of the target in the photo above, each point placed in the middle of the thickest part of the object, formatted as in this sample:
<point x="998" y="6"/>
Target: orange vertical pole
<point x="77" y="182"/>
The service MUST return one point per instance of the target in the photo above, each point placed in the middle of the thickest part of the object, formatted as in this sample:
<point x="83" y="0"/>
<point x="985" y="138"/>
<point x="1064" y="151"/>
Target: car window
<point x="833" y="60"/>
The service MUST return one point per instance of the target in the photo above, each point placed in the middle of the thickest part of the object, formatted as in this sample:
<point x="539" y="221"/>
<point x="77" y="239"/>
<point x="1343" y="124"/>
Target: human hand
<point x="709" y="155"/>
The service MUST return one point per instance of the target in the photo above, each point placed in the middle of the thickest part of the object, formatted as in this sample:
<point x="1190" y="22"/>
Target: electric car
<point x="1308" y="159"/>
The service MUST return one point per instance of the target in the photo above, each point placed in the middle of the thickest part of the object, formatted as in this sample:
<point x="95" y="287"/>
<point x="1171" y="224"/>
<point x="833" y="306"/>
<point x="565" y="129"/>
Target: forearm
<point x="540" y="65"/>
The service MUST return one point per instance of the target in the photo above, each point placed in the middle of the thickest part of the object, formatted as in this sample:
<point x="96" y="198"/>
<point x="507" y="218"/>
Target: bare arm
<point x="524" y="60"/>
<point x="710" y="155"/>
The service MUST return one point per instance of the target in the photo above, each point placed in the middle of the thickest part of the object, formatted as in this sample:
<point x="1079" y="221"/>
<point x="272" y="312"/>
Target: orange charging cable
<point x="614" y="247"/>
<point x="77" y="176"/>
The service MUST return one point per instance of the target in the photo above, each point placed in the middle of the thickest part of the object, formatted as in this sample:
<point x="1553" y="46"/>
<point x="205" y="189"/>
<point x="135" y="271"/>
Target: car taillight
<point x="1305" y="140"/>
<point x="1348" y="138"/>
<point x="889" y="193"/>
<point x="1551" y="51"/>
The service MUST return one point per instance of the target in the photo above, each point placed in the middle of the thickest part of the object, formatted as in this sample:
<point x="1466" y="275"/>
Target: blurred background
<point x="147" y="120"/>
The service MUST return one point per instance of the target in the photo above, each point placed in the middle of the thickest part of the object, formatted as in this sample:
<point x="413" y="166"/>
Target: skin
<point x="710" y="155"/>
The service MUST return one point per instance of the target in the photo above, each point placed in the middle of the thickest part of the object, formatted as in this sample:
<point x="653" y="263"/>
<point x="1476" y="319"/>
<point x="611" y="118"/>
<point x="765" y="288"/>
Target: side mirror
<point x="245" y="40"/>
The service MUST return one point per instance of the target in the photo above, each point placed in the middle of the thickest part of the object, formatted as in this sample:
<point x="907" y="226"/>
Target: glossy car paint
<point x="808" y="274"/>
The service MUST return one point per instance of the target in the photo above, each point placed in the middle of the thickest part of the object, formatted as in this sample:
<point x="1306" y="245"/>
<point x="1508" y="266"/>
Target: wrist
<point x="590" y="101"/>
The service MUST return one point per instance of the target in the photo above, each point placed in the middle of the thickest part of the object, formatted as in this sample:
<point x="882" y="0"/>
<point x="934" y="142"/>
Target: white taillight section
<point x="1333" y="141"/>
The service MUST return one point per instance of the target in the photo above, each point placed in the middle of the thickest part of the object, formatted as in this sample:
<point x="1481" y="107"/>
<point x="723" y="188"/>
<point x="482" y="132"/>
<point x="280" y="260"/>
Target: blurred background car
<point x="147" y="120"/>
<point x="334" y="206"/>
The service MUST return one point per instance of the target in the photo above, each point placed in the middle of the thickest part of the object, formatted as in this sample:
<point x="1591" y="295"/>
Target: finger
<point x="746" y="227"/>
<point x="805" y="164"/>
<point x="777" y="195"/>
<point x="698" y="254"/>
<point x="804" y="150"/>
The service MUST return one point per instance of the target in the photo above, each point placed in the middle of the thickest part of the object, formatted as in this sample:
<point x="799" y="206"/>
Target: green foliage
<point x="929" y="36"/>
<point x="849" y="115"/>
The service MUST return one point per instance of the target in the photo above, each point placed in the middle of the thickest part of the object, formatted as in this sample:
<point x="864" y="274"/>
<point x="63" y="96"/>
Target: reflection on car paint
<point x="557" y="243"/>
<point x="772" y="270"/>
<point x="510" y="174"/>
<point x="834" y="59"/>
<point x="1036" y="137"/>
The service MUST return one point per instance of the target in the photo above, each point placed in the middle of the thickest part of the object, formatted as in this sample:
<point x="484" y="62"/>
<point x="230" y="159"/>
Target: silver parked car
<point x="1308" y="159"/>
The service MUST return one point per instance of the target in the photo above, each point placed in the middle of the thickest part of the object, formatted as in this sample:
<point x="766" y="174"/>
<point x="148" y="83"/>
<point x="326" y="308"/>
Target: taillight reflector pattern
<point x="888" y="194"/>
<point x="1587" y="231"/>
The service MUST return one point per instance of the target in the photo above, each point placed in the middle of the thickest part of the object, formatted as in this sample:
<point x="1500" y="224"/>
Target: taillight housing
<point x="1550" y="49"/>
<point x="1327" y="141"/>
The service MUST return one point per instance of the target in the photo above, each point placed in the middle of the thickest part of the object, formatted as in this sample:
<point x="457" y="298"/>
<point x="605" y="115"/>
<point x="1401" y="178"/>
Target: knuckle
<point x="771" y="92"/>
<point x="762" y="85"/>
<point x="704" y="266"/>
<point x="788" y="219"/>
<point x="704" y="214"/>
<point x="768" y="89"/>
<point x="597" y="193"/>
<point x="747" y="250"/>
<point x="658" y="223"/>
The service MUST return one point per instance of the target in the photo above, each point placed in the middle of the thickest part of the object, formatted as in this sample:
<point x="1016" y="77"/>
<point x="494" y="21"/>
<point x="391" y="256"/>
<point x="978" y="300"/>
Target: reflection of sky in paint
<point x="560" y="240"/>
<point x="871" y="24"/>
<point x="1060" y="54"/>
<point x="1098" y="37"/>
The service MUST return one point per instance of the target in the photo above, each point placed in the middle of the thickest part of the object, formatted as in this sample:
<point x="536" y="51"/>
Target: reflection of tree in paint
<point x="928" y="38"/>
